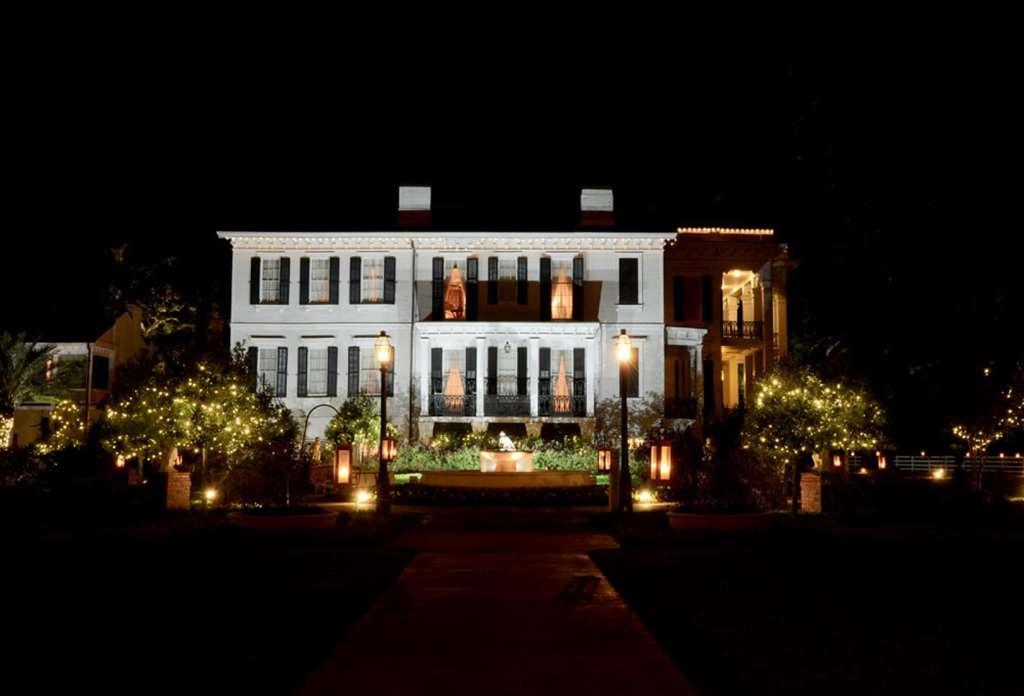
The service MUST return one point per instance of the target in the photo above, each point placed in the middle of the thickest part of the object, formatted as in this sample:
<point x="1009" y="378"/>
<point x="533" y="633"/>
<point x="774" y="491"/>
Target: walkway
<point x="500" y="602"/>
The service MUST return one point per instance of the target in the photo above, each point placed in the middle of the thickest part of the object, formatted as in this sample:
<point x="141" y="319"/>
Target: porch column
<point x="424" y="366"/>
<point x="769" y="319"/>
<point x="481" y="370"/>
<point x="591" y="373"/>
<point x="693" y="357"/>
<point x="533" y="366"/>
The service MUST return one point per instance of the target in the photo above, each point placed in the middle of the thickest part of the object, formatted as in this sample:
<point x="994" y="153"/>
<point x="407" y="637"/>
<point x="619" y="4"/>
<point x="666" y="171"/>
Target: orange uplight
<point x="604" y="459"/>
<point x="343" y="464"/>
<point x="388" y="449"/>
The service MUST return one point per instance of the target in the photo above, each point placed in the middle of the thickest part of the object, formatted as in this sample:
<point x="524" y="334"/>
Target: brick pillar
<point x="179" y="490"/>
<point x="810" y="493"/>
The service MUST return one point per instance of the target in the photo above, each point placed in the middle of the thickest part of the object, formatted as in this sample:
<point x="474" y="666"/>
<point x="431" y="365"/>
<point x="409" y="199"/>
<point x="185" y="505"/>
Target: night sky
<point x="882" y="170"/>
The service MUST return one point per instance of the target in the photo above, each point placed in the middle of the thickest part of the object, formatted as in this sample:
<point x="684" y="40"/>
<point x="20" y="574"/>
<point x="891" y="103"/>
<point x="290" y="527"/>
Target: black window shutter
<point x="437" y="289"/>
<point x="678" y="298"/>
<point x="286" y="278"/>
<point x="355" y="277"/>
<point x="492" y="370"/>
<point x="705" y="298"/>
<point x="521" y="286"/>
<point x="332" y="371"/>
<point x="628" y="281"/>
<point x="471" y="370"/>
<point x="335" y="279"/>
<point x="389" y="279"/>
<point x="544" y="372"/>
<point x="282" y="370"/>
<point x="522" y="381"/>
<point x="389" y="377"/>
<point x="254" y="280"/>
<point x="492" y="280"/>
<point x="353" y="370"/>
<point x="301" y="387"/>
<point x="436" y="369"/>
<point x="633" y="383"/>
<point x="304" y="280"/>
<point x="252" y="357"/>
<point x="579" y="371"/>
<point x="472" y="292"/>
<point x="577" y="288"/>
<point x="545" y="288"/>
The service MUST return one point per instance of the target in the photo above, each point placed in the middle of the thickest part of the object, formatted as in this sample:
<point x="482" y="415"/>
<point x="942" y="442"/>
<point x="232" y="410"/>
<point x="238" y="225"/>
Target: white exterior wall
<point x="342" y="325"/>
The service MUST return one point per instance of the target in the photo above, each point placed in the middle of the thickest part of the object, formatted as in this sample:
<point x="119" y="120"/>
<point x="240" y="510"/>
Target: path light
<point x="938" y="474"/>
<point x="363" y="497"/>
<point x="343" y="464"/>
<point x="645" y="497"/>
<point x="388" y="449"/>
<point x="661" y="460"/>
<point x="605" y="456"/>
<point x="210" y="494"/>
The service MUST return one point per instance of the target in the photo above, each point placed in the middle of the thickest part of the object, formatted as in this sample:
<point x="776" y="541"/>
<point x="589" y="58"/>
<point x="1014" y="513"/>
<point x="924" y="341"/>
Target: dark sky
<point x="882" y="165"/>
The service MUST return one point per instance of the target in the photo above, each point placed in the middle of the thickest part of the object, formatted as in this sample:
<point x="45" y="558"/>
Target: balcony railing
<point x="498" y="401"/>
<point x="683" y="407"/>
<point x="444" y="405"/>
<point x="743" y="329"/>
<point x="569" y="405"/>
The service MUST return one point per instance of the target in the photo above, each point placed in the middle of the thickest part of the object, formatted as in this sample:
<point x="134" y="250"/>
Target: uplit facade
<point x="488" y="328"/>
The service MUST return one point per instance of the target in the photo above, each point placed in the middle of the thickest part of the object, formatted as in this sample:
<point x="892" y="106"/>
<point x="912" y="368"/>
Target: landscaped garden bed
<point x="417" y="494"/>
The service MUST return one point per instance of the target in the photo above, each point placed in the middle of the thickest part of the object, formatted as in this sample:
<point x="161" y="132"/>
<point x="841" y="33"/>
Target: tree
<point x="21" y="363"/>
<point x="1000" y="417"/>
<point x="795" y="414"/>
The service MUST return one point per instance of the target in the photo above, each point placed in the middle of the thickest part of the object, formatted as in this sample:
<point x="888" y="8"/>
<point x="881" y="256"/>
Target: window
<point x="319" y="280"/>
<point x="454" y="291"/>
<point x="270" y="281"/>
<point x="561" y="290"/>
<point x="629" y="281"/>
<point x="100" y="372"/>
<point x="373" y="280"/>
<point x="267" y="371"/>
<point x="507" y="280"/>
<point x="369" y="373"/>
<point x="316" y="371"/>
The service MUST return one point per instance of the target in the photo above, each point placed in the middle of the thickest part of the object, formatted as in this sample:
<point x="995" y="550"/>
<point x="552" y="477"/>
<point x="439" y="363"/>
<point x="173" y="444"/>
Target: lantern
<point x="388" y="449"/>
<point x="838" y="459"/>
<point x="661" y="460"/>
<point x="343" y="465"/>
<point x="880" y="460"/>
<point x="623" y="347"/>
<point x="383" y="350"/>
<point x="605" y="458"/>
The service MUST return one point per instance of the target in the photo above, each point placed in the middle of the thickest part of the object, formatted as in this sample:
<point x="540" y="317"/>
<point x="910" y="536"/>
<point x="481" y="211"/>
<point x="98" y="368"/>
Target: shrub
<point x="414" y="458"/>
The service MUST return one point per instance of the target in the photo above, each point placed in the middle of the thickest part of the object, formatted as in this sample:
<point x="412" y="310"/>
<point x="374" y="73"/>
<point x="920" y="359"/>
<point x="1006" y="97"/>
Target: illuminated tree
<point x="795" y="414"/>
<point x="67" y="428"/>
<point x="1004" y="419"/>
<point x="21" y="362"/>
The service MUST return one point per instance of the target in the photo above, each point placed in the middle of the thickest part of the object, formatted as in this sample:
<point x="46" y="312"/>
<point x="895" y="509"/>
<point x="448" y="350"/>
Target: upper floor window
<point x="454" y="293"/>
<point x="319" y="280"/>
<point x="270" y="283"/>
<point x="561" y="290"/>
<point x="629" y="281"/>
<point x="371" y="280"/>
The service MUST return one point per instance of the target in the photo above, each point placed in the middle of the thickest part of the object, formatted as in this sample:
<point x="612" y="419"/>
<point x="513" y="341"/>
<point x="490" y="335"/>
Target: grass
<point x="895" y="610"/>
<point x="213" y="608"/>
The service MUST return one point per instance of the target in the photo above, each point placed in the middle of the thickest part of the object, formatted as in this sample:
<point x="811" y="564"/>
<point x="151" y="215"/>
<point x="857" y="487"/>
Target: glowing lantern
<point x="343" y="464"/>
<point x="120" y="461"/>
<point x="880" y="458"/>
<point x="837" y="459"/>
<point x="605" y="458"/>
<point x="661" y="460"/>
<point x="388" y="449"/>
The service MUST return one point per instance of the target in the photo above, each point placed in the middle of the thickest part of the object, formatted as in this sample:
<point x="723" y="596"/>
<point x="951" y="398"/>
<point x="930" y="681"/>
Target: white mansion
<point x="488" y="328"/>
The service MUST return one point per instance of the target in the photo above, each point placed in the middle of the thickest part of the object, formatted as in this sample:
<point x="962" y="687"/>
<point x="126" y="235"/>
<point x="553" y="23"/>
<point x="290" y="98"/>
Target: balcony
<point x="746" y="330"/>
<point x="572" y="405"/>
<point x="683" y="407"/>
<point x="444" y="405"/>
<point x="500" y="400"/>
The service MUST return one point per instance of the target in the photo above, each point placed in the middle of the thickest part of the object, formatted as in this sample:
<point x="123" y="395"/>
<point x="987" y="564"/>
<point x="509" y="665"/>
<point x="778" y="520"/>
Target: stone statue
<point x="505" y="443"/>
<point x="316" y="450"/>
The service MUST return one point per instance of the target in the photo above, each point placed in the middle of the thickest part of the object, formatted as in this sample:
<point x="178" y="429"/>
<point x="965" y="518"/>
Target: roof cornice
<point x="590" y="240"/>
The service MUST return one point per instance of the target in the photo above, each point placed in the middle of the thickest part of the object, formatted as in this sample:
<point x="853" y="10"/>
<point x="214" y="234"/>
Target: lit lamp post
<point x="385" y="353"/>
<point x="624" y="352"/>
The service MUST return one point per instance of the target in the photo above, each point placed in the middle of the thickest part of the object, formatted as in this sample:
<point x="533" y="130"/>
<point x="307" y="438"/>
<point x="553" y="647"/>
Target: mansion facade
<point x="505" y="330"/>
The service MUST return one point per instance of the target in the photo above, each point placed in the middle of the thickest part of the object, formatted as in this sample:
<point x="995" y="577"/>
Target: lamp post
<point x="624" y="352"/>
<point x="385" y="353"/>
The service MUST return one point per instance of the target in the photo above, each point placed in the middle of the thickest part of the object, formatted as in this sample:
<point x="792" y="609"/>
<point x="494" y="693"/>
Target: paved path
<point x="506" y="609"/>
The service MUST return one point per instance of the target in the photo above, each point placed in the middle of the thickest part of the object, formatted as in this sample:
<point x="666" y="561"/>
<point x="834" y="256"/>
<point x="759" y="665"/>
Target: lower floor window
<point x="316" y="379"/>
<point x="267" y="374"/>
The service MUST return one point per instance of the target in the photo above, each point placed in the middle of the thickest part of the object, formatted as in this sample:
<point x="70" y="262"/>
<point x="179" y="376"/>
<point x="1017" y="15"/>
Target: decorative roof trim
<point x="524" y="329"/>
<point x="451" y="241"/>
<point x="752" y="231"/>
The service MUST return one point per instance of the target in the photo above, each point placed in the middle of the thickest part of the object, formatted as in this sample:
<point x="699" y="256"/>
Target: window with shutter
<point x="301" y="382"/>
<point x="472" y="290"/>
<point x="521" y="284"/>
<point x="522" y="379"/>
<point x="353" y="370"/>
<point x="286" y="280"/>
<point x="254" y="280"/>
<point x="317" y="372"/>
<point x="545" y="288"/>
<point x="319" y="282"/>
<point x="303" y="280"/>
<point x="437" y="289"/>
<point x="492" y="280"/>
<point x="577" y="288"/>
<point x="471" y="371"/>
<point x="332" y="371"/>
<point x="355" y="278"/>
<point x="389" y="280"/>
<point x="334" y="291"/>
<point x="282" y="372"/>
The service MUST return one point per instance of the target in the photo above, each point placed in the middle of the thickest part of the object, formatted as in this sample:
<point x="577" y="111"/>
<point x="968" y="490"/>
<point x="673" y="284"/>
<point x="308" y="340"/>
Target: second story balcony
<point x="746" y="330"/>
<point x="507" y="397"/>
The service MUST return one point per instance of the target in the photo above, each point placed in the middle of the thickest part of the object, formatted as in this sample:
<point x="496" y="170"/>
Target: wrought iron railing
<point x="573" y="404"/>
<point x="499" y="401"/>
<point x="446" y="405"/>
<point x="683" y="407"/>
<point x="743" y="329"/>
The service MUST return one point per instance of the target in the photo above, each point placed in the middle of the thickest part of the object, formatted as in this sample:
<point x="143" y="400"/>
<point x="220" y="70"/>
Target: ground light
<point x="210" y="494"/>
<point x="645" y="497"/>
<point x="938" y="474"/>
<point x="363" y="497"/>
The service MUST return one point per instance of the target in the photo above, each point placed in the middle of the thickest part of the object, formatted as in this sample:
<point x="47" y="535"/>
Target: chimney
<point x="597" y="208"/>
<point x="414" y="206"/>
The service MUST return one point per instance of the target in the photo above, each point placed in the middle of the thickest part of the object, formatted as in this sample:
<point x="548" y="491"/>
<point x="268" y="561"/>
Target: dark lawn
<point x="893" y="611"/>
<point x="210" y="609"/>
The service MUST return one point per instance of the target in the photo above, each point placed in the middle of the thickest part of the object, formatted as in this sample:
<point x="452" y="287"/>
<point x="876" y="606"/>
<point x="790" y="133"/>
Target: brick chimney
<point x="597" y="208"/>
<point x="413" y="206"/>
